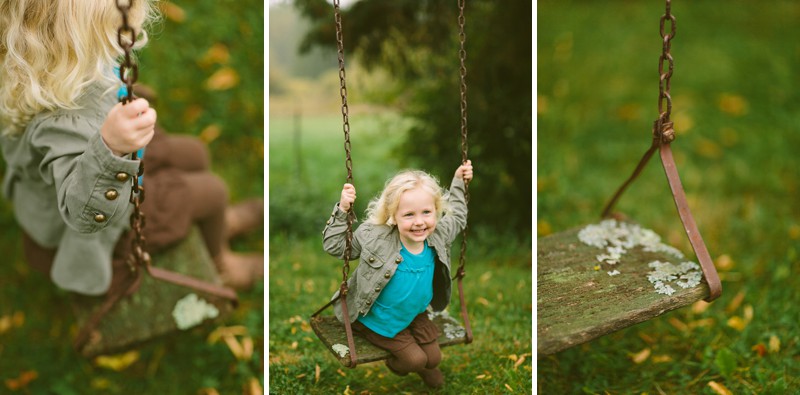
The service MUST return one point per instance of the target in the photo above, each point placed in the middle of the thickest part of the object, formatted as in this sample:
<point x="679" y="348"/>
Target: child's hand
<point x="348" y="197"/>
<point x="129" y="127"/>
<point x="465" y="171"/>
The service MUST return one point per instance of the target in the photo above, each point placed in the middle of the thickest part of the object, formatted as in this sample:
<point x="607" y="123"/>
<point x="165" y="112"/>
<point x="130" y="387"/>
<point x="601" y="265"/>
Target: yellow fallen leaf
<point x="735" y="302"/>
<point x="748" y="313"/>
<point x="724" y="262"/>
<point x="543" y="228"/>
<point x="22" y="381"/>
<point x="210" y="133"/>
<point x="485" y="277"/>
<point x="719" y="388"/>
<point x="733" y="104"/>
<point x="708" y="148"/>
<point x="774" y="344"/>
<point x="347" y="391"/>
<point x="661" y="358"/>
<point x="509" y="388"/>
<point x="222" y="79"/>
<point x="480" y="376"/>
<point x="234" y="346"/>
<point x="316" y="373"/>
<point x="5" y="324"/>
<point x="640" y="356"/>
<point x="294" y="345"/>
<point x="118" y="362"/>
<point x="519" y="362"/>
<point x="678" y="324"/>
<point x="512" y="357"/>
<point x="218" y="53"/>
<point x="219" y="332"/>
<point x="483" y="301"/>
<point x="341" y="373"/>
<point x="737" y="323"/>
<point x="700" y="306"/>
<point x="172" y="11"/>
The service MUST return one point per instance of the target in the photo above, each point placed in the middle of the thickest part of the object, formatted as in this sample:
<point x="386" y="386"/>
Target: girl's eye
<point x="426" y="212"/>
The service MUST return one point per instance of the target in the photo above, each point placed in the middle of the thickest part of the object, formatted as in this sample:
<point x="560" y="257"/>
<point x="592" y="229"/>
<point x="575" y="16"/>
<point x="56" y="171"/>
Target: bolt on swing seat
<point x="338" y="337"/>
<point x="580" y="293"/>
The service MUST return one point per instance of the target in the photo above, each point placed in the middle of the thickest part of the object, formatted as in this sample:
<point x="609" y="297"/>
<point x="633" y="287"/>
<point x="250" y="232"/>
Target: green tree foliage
<point x="417" y="41"/>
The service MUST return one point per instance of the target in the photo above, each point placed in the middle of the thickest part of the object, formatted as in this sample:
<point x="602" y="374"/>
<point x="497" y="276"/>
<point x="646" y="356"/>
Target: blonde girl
<point x="67" y="143"/>
<point x="404" y="266"/>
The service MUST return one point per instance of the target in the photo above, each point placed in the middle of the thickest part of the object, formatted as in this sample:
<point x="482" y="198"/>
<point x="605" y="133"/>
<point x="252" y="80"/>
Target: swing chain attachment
<point x="663" y="132"/>
<point x="129" y="73"/>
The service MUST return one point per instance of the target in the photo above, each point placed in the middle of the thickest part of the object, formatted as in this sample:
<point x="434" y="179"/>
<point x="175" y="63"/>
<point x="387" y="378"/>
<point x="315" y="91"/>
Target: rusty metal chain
<point x="663" y="128"/>
<point x="462" y="55"/>
<point x="346" y="127"/>
<point x="129" y="73"/>
<point x="663" y="132"/>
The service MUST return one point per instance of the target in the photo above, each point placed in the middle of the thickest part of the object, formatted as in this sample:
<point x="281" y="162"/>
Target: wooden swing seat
<point x="330" y="331"/>
<point x="148" y="312"/>
<point x="576" y="303"/>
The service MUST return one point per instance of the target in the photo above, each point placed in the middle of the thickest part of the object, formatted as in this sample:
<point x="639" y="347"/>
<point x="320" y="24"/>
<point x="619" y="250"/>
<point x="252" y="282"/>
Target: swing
<point x="338" y="337"/>
<point x="580" y="297"/>
<point x="141" y="308"/>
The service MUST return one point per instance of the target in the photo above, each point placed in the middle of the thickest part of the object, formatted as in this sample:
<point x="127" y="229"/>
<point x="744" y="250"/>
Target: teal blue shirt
<point x="408" y="294"/>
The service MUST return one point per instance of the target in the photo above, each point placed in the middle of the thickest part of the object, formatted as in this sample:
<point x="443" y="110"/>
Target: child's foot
<point x="244" y="217"/>
<point x="240" y="271"/>
<point x="433" y="378"/>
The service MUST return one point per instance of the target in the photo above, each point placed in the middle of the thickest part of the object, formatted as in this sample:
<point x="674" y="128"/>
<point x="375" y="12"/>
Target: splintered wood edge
<point x="576" y="303"/>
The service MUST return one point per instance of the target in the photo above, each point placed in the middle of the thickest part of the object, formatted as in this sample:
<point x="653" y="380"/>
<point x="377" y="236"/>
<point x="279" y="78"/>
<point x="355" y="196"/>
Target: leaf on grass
<point x="774" y="344"/>
<point x="222" y="79"/>
<point x="733" y="104"/>
<point x="512" y="357"/>
<point x="543" y="228"/>
<point x="118" y="362"/>
<point x="341" y="373"/>
<point x="647" y="338"/>
<point x="640" y="356"/>
<point x="210" y="133"/>
<point x="172" y="11"/>
<point x="678" y="324"/>
<point x="347" y="391"/>
<point x="25" y="377"/>
<point x="735" y="302"/>
<point x="208" y="391"/>
<point x="316" y="374"/>
<point x="737" y="323"/>
<point x="700" y="306"/>
<point x="700" y="323"/>
<point x="485" y="277"/>
<point x="483" y="301"/>
<point x="661" y="358"/>
<point x="221" y="331"/>
<point x="218" y="53"/>
<point x="748" y="313"/>
<point x="724" y="262"/>
<point x="480" y="376"/>
<point x="719" y="388"/>
<point x="760" y="349"/>
<point x="519" y="362"/>
<point x="509" y="388"/>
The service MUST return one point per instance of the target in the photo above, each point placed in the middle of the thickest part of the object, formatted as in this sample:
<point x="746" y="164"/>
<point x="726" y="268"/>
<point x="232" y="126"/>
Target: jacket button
<point x="378" y="289"/>
<point x="398" y="260"/>
<point x="111" y="194"/>
<point x="371" y="259"/>
<point x="121" y="176"/>
<point x="362" y="312"/>
<point x="99" y="217"/>
<point x="387" y="274"/>
<point x="369" y="302"/>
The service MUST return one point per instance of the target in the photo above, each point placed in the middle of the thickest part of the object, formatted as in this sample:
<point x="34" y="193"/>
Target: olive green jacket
<point x="58" y="176"/>
<point x="378" y="247"/>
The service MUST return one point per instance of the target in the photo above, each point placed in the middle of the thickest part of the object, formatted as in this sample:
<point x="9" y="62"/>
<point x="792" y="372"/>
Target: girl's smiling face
<point x="415" y="218"/>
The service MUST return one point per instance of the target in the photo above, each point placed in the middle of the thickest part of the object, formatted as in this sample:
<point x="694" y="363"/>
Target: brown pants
<point x="180" y="191"/>
<point x="413" y="349"/>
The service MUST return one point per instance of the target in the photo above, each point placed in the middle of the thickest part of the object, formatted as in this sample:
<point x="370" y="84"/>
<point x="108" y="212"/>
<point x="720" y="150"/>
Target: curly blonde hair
<point x="50" y="50"/>
<point x="381" y="210"/>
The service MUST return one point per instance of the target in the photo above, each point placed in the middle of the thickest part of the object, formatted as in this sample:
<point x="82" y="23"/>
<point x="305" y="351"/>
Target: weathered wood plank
<point x="148" y="312"/>
<point x="576" y="303"/>
<point x="330" y="331"/>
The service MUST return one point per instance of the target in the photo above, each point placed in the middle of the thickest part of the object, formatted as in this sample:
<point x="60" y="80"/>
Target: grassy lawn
<point x="734" y="106"/>
<point x="302" y="277"/>
<point x="205" y="59"/>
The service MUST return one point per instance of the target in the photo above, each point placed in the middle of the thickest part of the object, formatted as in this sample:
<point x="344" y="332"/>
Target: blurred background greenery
<point x="206" y="62"/>
<point x="735" y="98"/>
<point x="402" y="71"/>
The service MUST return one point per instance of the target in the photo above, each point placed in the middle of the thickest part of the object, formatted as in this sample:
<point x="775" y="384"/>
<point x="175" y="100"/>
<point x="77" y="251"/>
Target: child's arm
<point x="456" y="219"/>
<point x="334" y="236"/>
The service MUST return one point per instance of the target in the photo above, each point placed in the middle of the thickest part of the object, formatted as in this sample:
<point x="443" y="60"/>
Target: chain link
<point x="462" y="55"/>
<point x="663" y="131"/>
<point x="346" y="127"/>
<point x="129" y="73"/>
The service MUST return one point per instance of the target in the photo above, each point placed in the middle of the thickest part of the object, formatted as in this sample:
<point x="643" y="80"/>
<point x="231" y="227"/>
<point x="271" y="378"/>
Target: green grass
<point x="39" y="339"/>
<point x="734" y="107"/>
<point x="302" y="277"/>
